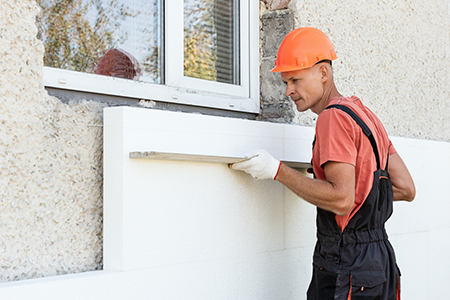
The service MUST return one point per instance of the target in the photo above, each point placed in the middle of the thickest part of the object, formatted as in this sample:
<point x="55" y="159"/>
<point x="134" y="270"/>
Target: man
<point x="357" y="175"/>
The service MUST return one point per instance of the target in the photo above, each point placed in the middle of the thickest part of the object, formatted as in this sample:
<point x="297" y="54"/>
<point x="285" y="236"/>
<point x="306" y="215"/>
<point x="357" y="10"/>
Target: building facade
<point x="58" y="169"/>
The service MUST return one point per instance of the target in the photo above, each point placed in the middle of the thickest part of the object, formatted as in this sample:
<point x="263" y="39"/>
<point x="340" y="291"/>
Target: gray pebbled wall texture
<point x="50" y="162"/>
<point x="392" y="54"/>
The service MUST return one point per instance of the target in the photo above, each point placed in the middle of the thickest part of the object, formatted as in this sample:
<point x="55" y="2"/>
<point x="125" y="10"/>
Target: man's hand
<point x="261" y="165"/>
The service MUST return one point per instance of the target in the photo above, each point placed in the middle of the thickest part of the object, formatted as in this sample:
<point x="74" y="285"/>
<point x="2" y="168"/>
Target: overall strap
<point x="363" y="126"/>
<point x="387" y="160"/>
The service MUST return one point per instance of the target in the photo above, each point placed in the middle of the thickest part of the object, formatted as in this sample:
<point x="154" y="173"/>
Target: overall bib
<point x="358" y="263"/>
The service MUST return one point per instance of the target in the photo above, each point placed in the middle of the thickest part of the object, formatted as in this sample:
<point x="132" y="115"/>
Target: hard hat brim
<point x="278" y="69"/>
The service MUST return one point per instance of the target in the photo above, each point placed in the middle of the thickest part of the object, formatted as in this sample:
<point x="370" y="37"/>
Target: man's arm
<point x="336" y="194"/>
<point x="402" y="182"/>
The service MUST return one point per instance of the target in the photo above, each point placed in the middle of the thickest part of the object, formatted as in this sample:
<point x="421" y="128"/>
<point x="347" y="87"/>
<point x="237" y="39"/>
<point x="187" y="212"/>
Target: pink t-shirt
<point x="340" y="139"/>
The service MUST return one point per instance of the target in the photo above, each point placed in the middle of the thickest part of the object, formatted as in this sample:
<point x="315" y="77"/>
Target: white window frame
<point x="179" y="88"/>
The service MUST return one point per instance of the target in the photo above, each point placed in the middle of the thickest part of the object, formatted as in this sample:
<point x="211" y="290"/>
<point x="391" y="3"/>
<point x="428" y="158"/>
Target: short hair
<point x="325" y="60"/>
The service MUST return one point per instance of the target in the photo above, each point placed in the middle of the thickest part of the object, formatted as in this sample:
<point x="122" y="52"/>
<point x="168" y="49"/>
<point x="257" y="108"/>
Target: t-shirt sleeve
<point x="336" y="136"/>
<point x="392" y="149"/>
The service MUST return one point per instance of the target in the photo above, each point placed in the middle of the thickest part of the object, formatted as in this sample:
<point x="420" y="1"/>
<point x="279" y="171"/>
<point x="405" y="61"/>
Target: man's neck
<point x="328" y="94"/>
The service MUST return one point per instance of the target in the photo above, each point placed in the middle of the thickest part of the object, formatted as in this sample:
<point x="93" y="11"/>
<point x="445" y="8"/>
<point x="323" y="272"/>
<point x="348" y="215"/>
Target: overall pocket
<point x="367" y="285"/>
<point x="323" y="285"/>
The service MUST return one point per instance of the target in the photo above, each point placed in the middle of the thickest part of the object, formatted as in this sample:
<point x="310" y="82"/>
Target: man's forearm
<point x="328" y="195"/>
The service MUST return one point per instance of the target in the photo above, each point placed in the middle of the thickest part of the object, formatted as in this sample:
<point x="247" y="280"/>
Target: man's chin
<point x="301" y="108"/>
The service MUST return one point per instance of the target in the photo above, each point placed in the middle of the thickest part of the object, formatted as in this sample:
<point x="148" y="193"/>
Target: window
<point x="211" y="40"/>
<point x="195" y="52"/>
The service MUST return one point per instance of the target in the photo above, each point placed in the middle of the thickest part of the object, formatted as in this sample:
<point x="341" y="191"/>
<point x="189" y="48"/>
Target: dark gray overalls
<point x="358" y="263"/>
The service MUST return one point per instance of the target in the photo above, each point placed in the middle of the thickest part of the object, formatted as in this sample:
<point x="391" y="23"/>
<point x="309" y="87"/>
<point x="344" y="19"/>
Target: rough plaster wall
<point x="393" y="55"/>
<point x="50" y="162"/>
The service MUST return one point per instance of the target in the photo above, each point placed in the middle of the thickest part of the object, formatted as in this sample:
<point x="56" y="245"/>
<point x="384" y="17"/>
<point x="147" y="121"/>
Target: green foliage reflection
<point x="72" y="40"/>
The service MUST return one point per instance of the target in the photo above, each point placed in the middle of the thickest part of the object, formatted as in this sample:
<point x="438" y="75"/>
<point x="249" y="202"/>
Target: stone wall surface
<point x="275" y="106"/>
<point x="50" y="162"/>
<point x="275" y="4"/>
<point x="391" y="54"/>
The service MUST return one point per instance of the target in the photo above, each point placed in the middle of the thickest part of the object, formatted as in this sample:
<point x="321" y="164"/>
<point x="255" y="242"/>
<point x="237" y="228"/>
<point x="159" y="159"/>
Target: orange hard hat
<point x="302" y="48"/>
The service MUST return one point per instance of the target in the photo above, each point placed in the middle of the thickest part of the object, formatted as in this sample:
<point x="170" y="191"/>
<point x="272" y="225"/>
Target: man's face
<point x="304" y="87"/>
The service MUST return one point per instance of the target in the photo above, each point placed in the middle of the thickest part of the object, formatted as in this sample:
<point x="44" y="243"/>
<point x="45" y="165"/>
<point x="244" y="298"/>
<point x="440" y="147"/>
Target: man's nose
<point x="289" y="90"/>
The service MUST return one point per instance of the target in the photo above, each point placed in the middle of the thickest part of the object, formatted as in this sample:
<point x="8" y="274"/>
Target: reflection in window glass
<point x="211" y="40"/>
<point x="120" y="38"/>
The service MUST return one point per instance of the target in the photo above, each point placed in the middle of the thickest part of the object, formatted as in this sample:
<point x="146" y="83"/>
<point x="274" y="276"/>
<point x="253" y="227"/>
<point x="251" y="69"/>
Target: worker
<point x="357" y="175"/>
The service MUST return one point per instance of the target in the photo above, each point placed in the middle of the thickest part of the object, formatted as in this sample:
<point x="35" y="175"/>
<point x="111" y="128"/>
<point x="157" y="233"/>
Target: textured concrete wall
<point x="50" y="162"/>
<point x="393" y="55"/>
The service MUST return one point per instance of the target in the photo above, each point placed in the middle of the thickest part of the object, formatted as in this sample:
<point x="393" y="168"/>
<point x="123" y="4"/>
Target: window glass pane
<point x="119" y="38"/>
<point x="211" y="40"/>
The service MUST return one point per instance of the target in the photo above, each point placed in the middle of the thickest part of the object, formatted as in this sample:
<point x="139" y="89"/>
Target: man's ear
<point x="325" y="71"/>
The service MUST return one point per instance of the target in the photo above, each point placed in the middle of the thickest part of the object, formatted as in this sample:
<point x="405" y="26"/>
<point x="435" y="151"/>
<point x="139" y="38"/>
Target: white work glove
<point x="261" y="165"/>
